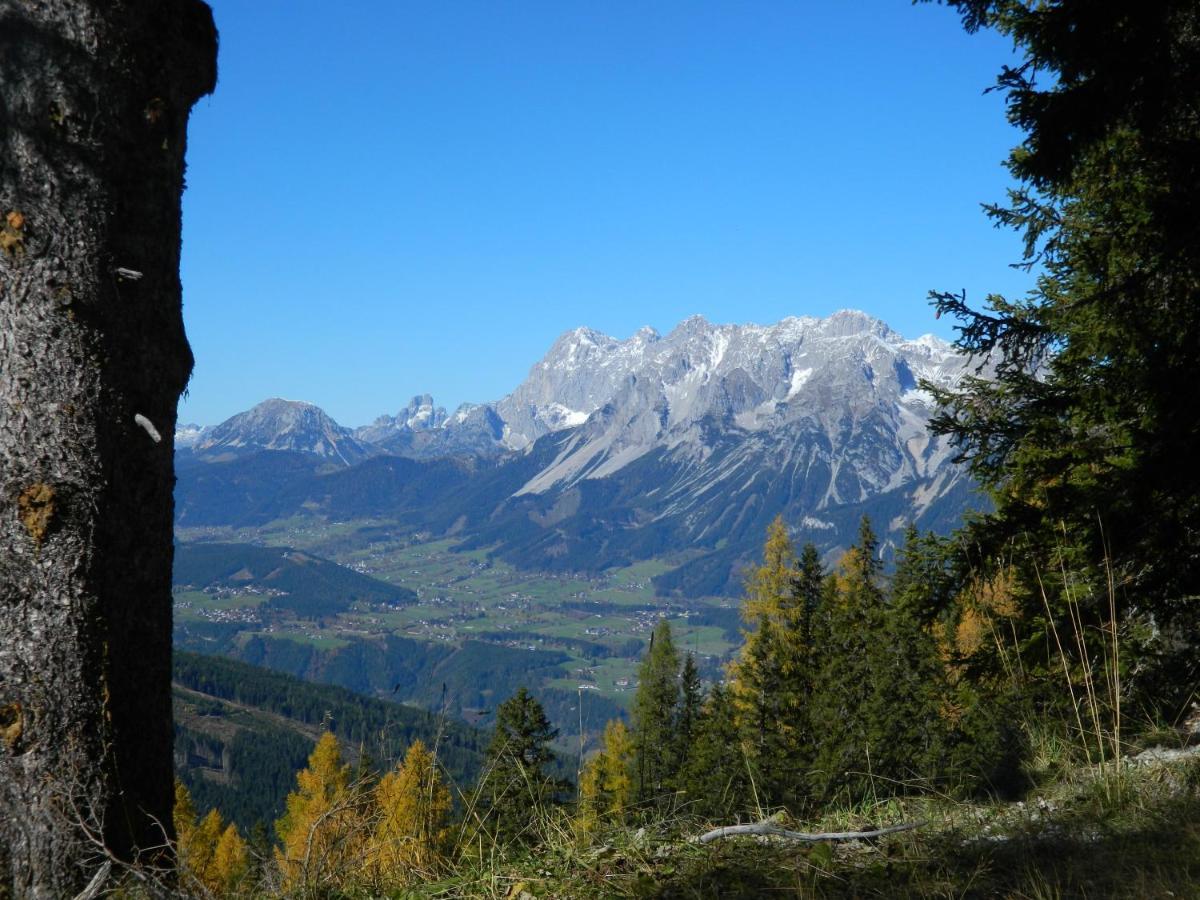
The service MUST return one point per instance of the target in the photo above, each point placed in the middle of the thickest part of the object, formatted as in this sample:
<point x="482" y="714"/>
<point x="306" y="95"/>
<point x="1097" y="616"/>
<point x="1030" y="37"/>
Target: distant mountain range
<point x="278" y="425"/>
<point x="616" y="450"/>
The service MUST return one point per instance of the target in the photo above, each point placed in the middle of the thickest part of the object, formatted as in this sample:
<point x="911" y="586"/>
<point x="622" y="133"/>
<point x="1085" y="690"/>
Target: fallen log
<point x="770" y="828"/>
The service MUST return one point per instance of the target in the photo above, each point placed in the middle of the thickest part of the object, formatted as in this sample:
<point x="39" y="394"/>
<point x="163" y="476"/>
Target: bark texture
<point x="94" y="102"/>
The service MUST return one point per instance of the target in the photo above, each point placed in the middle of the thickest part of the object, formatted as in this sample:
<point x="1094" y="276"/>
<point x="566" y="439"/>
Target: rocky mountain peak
<point x="847" y="382"/>
<point x="692" y="325"/>
<point x="186" y="435"/>
<point x="855" y="323"/>
<point x="278" y="424"/>
<point x="420" y="414"/>
<point x="702" y="436"/>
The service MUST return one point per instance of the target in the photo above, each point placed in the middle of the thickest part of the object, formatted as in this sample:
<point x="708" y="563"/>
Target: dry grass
<point x="1073" y="839"/>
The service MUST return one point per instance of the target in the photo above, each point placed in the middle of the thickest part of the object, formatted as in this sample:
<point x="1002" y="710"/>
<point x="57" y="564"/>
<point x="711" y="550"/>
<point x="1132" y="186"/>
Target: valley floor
<point x="594" y="628"/>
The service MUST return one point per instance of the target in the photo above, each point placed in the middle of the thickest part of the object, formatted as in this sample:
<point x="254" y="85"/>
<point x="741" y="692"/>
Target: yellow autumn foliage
<point x="773" y="605"/>
<point x="769" y="587"/>
<point x="998" y="594"/>
<point x="210" y="852"/>
<point x="322" y="830"/>
<point x="606" y="785"/>
<point x="410" y="833"/>
<point x="231" y="860"/>
<point x="986" y="608"/>
<point x="971" y="631"/>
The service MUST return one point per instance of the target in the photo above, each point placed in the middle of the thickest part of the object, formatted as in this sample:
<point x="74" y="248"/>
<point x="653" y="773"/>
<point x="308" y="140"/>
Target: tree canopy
<point x="1081" y="421"/>
<point x="516" y="783"/>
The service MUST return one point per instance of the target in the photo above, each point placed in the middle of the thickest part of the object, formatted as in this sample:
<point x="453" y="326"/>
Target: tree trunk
<point x="94" y="103"/>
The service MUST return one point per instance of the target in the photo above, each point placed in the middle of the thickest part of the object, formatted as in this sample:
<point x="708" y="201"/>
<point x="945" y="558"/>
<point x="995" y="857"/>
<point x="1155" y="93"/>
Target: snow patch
<point x="188" y="435"/>
<point x="719" y="346"/>
<point x="933" y="342"/>
<point x="556" y="416"/>
<point x="799" y="379"/>
<point x="917" y="395"/>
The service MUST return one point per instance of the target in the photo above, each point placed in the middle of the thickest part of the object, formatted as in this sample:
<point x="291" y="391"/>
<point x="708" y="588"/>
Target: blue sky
<point x="391" y="198"/>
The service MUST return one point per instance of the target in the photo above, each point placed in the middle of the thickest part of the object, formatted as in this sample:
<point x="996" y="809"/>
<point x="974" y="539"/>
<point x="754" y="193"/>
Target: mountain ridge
<point x="616" y="450"/>
<point x="537" y="406"/>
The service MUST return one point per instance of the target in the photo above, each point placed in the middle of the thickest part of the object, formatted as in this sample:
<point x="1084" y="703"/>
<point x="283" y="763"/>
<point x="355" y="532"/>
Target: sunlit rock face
<point x="690" y="442"/>
<point x="840" y="395"/>
<point x="282" y="425"/>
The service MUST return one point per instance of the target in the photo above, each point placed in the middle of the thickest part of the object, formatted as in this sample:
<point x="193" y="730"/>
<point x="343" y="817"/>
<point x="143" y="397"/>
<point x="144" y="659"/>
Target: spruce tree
<point x="654" y="711"/>
<point x="809" y="583"/>
<point x="854" y="602"/>
<point x="716" y="781"/>
<point x="903" y="721"/>
<point x="1084" y="429"/>
<point x="771" y="679"/>
<point x="768" y="712"/>
<point x="516" y="784"/>
<point x="691" y="699"/>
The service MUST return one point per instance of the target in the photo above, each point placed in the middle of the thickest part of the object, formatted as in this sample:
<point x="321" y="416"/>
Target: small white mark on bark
<point x="128" y="274"/>
<point x="148" y="427"/>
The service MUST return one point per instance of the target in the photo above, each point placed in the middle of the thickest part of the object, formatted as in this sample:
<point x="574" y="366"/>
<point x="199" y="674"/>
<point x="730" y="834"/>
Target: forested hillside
<point x="242" y="732"/>
<point x="286" y="579"/>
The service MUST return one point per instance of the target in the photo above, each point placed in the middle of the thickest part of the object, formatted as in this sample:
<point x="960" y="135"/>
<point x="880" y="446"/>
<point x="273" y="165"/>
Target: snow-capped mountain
<point x="419" y="415"/>
<point x="759" y="375"/>
<point x="581" y="372"/>
<point x="616" y="450"/>
<point x="187" y="435"/>
<point x="424" y="431"/>
<point x="848" y="380"/>
<point x="839" y="377"/>
<point x="282" y="425"/>
<point x="698" y="438"/>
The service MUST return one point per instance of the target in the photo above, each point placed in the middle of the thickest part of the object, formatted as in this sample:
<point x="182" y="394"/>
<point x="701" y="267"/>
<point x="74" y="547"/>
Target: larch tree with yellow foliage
<point x="210" y="852"/>
<point x="231" y="860"/>
<point x="412" y="807"/>
<point x="322" y="831"/>
<point x="606" y="786"/>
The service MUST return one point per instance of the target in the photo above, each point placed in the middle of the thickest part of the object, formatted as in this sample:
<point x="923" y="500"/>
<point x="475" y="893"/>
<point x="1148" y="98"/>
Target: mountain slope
<point x="282" y="425"/>
<point x="685" y="445"/>
<point x="242" y="733"/>
<point x="653" y="386"/>
<point x="301" y="583"/>
<point x="698" y="439"/>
